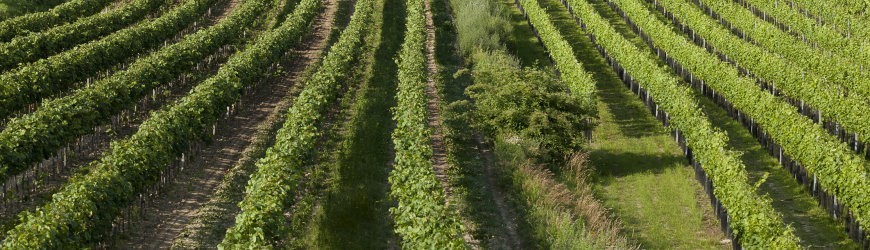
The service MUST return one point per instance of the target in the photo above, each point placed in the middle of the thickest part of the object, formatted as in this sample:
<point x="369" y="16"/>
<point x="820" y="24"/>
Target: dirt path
<point x="511" y="239"/>
<point x="168" y="215"/>
<point x="505" y="212"/>
<point x="439" y="156"/>
<point x="439" y="153"/>
<point x="230" y="5"/>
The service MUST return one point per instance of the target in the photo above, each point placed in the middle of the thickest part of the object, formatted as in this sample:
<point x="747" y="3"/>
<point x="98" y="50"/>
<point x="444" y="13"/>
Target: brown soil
<point x="505" y="212"/>
<point x="169" y="214"/>
<point x="439" y="156"/>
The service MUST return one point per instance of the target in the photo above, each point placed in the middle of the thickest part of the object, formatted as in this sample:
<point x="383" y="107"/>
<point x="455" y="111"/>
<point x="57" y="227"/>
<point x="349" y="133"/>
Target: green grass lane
<point x="642" y="174"/>
<point x="354" y="210"/>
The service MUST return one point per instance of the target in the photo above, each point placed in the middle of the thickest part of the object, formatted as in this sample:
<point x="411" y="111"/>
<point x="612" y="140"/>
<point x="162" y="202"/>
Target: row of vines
<point x="63" y="13"/>
<point x="571" y="71"/>
<point x="828" y="161"/>
<point x="38" y="135"/>
<point x="272" y="189"/>
<point x="807" y="90"/>
<point x="422" y="217"/>
<point x="750" y="217"/>
<point x="29" y="48"/>
<point x="844" y="68"/>
<point x="31" y="82"/>
<point x="832" y="13"/>
<point x="85" y="208"/>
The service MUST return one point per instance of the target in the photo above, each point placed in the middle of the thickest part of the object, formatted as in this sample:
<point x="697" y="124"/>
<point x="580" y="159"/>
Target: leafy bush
<point x="529" y="104"/>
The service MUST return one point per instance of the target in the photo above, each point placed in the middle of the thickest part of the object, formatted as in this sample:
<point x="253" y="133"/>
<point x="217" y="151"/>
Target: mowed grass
<point x="646" y="180"/>
<point x="11" y="8"/>
<point x="642" y="174"/>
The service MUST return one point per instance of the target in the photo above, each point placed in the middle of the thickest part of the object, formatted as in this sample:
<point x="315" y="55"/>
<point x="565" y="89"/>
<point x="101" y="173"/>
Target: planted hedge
<point x="750" y="217"/>
<point x="272" y="188"/>
<point x="807" y="28"/>
<point x="88" y="204"/>
<point x="63" y="13"/>
<point x="846" y="16"/>
<point x="29" y="48"/>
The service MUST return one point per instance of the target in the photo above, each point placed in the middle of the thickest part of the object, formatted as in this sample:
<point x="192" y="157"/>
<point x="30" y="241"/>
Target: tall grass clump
<point x="480" y="25"/>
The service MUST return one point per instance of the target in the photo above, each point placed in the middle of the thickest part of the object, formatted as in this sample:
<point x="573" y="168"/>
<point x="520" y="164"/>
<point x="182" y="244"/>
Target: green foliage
<point x="784" y="73"/>
<point x="844" y="64"/>
<point x="541" y="117"/>
<point x="527" y="103"/>
<point x="571" y="71"/>
<point x="273" y="187"/>
<point x="753" y="218"/>
<point x="86" y="206"/>
<point x="34" y="22"/>
<point x="470" y="189"/>
<point x="422" y="217"/>
<point x="349" y="212"/>
<point x="845" y="20"/>
<point x="825" y="36"/>
<point x="838" y="170"/>
<point x="14" y="8"/>
<point x="32" y="82"/>
<point x="24" y="49"/>
<point x="37" y="135"/>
